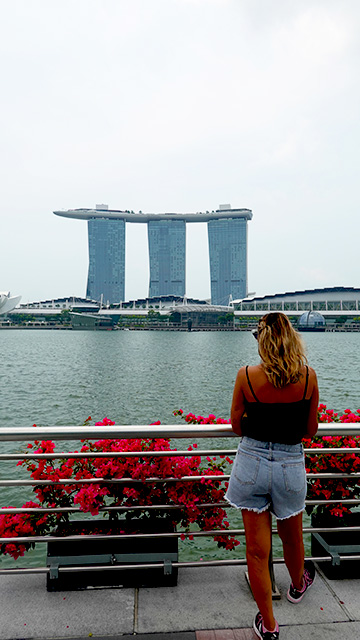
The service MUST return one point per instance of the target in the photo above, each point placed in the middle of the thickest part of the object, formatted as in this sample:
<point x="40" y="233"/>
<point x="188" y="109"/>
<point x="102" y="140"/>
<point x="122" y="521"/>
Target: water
<point x="137" y="377"/>
<point x="61" y="377"/>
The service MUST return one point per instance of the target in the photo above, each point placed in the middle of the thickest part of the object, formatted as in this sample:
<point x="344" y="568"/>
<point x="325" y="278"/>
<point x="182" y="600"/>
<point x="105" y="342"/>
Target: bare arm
<point x="312" y="424"/>
<point x="238" y="405"/>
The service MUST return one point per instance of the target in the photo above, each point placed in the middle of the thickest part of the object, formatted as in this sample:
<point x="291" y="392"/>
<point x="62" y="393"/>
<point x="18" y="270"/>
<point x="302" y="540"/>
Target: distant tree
<point x="226" y="319"/>
<point x="175" y="317"/>
<point x="64" y="317"/>
<point x="21" y="318"/>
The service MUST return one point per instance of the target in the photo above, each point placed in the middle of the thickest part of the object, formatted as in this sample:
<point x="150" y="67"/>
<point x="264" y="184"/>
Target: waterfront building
<point x="228" y="259"/>
<point x="7" y="302"/>
<point x="175" y="311"/>
<point x="338" y="306"/>
<point x="106" y="276"/>
<point x="227" y="233"/>
<point x="312" y="321"/>
<point x="48" y="308"/>
<point x="166" y="257"/>
<point x="325" y="300"/>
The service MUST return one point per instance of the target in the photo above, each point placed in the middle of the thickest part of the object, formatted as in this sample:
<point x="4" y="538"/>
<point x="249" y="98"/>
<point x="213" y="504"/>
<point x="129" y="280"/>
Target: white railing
<point x="67" y="433"/>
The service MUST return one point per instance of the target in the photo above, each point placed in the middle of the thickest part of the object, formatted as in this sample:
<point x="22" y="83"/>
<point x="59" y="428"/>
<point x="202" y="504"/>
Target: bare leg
<point x="290" y="532"/>
<point x="258" y="543"/>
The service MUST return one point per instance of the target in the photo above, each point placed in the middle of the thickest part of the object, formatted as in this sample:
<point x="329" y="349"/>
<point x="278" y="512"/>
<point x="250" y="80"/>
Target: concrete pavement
<point x="208" y="604"/>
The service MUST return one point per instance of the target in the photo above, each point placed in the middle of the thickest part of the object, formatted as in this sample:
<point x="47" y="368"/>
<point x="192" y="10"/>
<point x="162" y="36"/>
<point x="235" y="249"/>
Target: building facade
<point x="327" y="300"/>
<point x="228" y="259"/>
<point x="328" y="308"/>
<point x="227" y="235"/>
<point x="166" y="240"/>
<point x="7" y="302"/>
<point x="106" y="276"/>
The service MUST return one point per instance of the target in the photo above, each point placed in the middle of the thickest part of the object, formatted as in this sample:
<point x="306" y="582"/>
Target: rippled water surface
<point x="61" y="377"/>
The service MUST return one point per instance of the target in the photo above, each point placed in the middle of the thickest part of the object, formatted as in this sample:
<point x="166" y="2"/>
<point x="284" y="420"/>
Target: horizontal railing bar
<point x="115" y="432"/>
<point x="333" y="475"/>
<point x="121" y="536"/>
<point x="351" y="429"/>
<point x="334" y="450"/>
<point x="170" y="534"/>
<point x="218" y="563"/>
<point x="147" y="431"/>
<point x="35" y="483"/>
<point x="333" y="501"/>
<point x="205" y="563"/>
<point x="183" y="565"/>
<point x="24" y="570"/>
<point x="116" y="454"/>
<point x="327" y="529"/>
<point x="156" y="454"/>
<point x="221" y="478"/>
<point x="160" y="507"/>
<point x="144" y="507"/>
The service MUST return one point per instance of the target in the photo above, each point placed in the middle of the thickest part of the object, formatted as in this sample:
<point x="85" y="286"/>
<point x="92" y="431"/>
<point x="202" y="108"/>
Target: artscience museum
<point x="8" y="303"/>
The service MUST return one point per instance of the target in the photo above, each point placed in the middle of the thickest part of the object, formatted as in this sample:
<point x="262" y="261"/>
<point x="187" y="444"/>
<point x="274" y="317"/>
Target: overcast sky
<point x="180" y="105"/>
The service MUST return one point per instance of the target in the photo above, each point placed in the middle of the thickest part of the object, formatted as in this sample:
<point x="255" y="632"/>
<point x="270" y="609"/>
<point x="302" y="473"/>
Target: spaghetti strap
<point x="306" y="382"/>
<point x="249" y="383"/>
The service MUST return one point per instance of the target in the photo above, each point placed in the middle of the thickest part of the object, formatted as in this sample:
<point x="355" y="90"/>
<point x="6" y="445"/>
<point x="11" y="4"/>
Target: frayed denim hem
<point x="290" y="516"/>
<point x="255" y="510"/>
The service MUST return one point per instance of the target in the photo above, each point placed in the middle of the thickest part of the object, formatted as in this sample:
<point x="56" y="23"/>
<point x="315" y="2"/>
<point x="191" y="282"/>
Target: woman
<point x="274" y="406"/>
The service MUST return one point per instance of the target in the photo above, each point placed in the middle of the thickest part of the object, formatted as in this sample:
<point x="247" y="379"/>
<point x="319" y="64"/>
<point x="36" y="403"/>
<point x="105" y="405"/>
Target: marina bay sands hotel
<point x="227" y="236"/>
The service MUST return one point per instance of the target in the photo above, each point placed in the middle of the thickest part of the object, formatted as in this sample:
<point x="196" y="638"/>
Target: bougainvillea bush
<point x="188" y="495"/>
<point x="90" y="498"/>
<point x="335" y="489"/>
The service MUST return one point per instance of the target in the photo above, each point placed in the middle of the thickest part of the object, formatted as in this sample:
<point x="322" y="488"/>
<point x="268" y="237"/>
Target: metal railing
<point x="68" y="433"/>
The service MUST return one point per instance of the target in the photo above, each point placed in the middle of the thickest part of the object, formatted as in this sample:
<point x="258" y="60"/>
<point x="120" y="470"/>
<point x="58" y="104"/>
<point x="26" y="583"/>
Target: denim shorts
<point x="267" y="475"/>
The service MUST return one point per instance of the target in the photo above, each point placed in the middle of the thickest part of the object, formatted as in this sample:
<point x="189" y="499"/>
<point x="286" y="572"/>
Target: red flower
<point x="93" y="496"/>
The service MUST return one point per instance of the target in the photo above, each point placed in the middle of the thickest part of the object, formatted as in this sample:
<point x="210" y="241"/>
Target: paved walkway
<point x="208" y="604"/>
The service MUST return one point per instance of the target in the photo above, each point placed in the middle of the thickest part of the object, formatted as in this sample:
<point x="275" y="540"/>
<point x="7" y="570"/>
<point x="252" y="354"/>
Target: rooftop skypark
<point x="227" y="235"/>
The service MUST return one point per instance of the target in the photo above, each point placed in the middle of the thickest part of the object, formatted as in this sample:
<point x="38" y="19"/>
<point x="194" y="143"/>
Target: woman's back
<point x="256" y="386"/>
<point x="276" y="401"/>
<point x="275" y="415"/>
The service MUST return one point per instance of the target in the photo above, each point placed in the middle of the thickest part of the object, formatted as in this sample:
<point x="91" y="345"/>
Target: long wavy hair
<point x="281" y="349"/>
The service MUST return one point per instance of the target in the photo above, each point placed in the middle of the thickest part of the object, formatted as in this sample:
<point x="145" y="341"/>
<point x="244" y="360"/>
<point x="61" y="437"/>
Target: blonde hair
<point x="281" y="349"/>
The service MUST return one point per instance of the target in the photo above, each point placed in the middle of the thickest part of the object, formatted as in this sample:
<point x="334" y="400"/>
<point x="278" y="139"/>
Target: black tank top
<point x="282" y="422"/>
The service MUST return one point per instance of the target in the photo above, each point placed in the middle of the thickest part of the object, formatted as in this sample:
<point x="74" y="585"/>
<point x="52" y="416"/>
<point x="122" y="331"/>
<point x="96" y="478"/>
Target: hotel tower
<point x="227" y="235"/>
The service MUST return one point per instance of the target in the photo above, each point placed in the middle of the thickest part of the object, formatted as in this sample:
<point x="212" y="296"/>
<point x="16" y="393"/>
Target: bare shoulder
<point x="256" y="371"/>
<point x="312" y="376"/>
<point x="250" y="375"/>
<point x="241" y="374"/>
<point x="252" y="369"/>
<point x="312" y="383"/>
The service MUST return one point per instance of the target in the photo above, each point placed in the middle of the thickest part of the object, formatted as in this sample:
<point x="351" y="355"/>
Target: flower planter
<point x="61" y="487"/>
<point x="336" y="544"/>
<point x="92" y="553"/>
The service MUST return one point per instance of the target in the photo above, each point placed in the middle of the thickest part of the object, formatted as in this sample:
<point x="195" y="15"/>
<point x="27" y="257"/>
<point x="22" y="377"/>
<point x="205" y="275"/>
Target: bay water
<point x="53" y="377"/>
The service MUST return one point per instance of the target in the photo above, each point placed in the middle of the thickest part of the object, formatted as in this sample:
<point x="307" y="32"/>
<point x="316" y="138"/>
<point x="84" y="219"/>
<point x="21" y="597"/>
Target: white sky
<point x="180" y="105"/>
